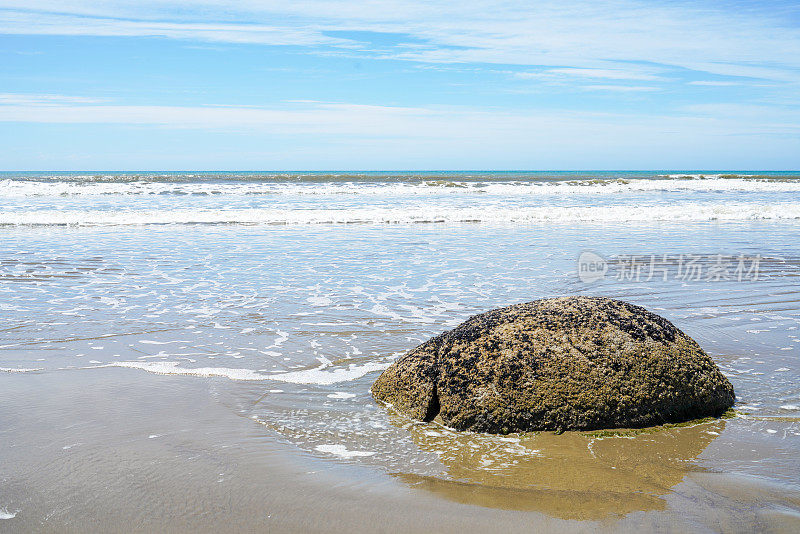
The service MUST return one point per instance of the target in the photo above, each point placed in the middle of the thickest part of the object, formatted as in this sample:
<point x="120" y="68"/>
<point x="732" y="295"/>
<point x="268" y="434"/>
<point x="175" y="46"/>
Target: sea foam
<point x="407" y="215"/>
<point x="342" y="451"/>
<point x="5" y="514"/>
<point x="451" y="187"/>
<point x="322" y="375"/>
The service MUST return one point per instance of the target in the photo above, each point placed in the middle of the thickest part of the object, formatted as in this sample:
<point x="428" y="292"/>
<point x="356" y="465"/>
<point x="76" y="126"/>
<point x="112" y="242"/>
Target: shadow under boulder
<point x="570" y="363"/>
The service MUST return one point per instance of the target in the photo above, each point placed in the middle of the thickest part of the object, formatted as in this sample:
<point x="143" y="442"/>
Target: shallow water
<point x="197" y="376"/>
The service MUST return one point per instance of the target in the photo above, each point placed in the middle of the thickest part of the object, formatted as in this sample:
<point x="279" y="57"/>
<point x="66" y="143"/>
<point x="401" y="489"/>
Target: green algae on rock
<point x="569" y="363"/>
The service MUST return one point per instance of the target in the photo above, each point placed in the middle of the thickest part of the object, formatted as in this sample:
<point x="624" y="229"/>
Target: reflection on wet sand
<point x="574" y="475"/>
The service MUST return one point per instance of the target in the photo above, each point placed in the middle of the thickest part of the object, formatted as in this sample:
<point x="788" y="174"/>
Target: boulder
<point x="571" y="363"/>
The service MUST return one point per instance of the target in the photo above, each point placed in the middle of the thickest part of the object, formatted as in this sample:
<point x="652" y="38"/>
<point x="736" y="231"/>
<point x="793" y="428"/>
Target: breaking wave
<point x="408" y="215"/>
<point x="419" y="187"/>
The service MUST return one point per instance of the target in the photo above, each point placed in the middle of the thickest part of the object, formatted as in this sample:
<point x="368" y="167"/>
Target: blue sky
<point x="253" y="85"/>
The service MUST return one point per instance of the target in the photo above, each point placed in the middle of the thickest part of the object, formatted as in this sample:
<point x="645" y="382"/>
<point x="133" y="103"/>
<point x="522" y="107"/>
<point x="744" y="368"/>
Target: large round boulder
<point x="580" y="363"/>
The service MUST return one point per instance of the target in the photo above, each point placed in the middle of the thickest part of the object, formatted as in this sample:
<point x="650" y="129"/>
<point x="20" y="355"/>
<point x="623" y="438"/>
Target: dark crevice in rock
<point x="433" y="406"/>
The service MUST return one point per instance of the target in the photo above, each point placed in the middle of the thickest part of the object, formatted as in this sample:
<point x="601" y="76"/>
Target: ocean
<point x="94" y="199"/>
<point x="190" y="351"/>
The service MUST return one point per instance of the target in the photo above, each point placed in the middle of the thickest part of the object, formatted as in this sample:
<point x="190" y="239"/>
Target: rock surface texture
<point x="572" y="363"/>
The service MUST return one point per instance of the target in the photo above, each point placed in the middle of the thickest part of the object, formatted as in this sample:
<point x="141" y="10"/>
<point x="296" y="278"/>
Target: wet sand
<point x="225" y="385"/>
<point x="117" y="451"/>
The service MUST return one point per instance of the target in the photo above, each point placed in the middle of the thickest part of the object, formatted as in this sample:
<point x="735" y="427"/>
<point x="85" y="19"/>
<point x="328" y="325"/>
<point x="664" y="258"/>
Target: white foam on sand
<point x="5" y="514"/>
<point x="433" y="213"/>
<point x="341" y="451"/>
<point x="171" y="368"/>
<point x="19" y="370"/>
<point x="319" y="301"/>
<point x="341" y="395"/>
<point x="322" y="375"/>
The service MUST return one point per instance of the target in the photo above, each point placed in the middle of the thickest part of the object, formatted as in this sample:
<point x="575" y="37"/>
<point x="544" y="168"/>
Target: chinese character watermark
<point x="663" y="267"/>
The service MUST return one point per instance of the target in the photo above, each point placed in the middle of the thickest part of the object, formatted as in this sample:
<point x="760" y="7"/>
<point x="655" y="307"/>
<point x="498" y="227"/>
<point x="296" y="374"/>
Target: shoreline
<point x="318" y="454"/>
<point x="143" y="438"/>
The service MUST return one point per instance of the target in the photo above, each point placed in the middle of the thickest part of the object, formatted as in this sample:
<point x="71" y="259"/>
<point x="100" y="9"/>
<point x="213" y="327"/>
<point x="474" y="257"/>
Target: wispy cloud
<point x="620" y="88"/>
<point x="344" y="135"/>
<point x="18" y="22"/>
<point x="711" y="83"/>
<point x="579" y="38"/>
<point x="577" y="78"/>
<point x="439" y="122"/>
<point x="610" y="74"/>
<point x="45" y="99"/>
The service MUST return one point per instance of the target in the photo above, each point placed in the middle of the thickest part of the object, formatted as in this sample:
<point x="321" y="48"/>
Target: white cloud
<point x="340" y="135"/>
<point x="563" y="76"/>
<point x="609" y="74"/>
<point x="388" y="122"/>
<point x="44" y="99"/>
<point x="745" y="112"/>
<point x="608" y="39"/>
<point x="57" y="24"/>
<point x="620" y="88"/>
<point x="714" y="83"/>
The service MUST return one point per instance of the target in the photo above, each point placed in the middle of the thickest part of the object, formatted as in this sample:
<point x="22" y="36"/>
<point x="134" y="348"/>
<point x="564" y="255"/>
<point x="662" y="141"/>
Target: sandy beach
<point x="399" y="267"/>
<point x="195" y="377"/>
<point x="161" y="454"/>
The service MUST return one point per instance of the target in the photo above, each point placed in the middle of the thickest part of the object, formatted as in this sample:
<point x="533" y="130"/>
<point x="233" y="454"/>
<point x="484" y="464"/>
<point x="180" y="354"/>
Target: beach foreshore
<point x="199" y="378"/>
<point x="119" y="450"/>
